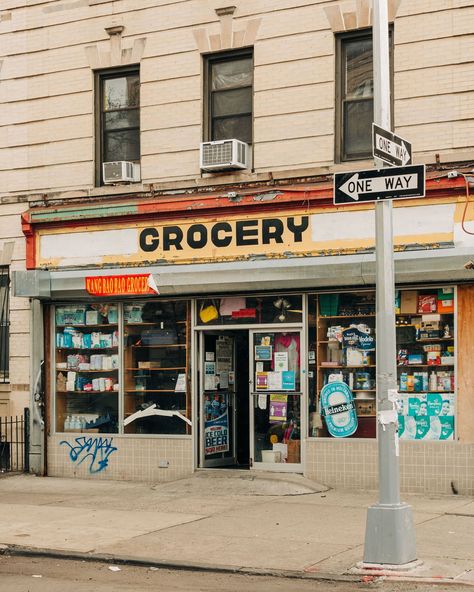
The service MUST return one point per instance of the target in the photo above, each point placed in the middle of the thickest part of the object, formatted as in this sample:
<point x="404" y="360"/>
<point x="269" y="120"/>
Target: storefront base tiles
<point x="425" y="467"/>
<point x="97" y="456"/>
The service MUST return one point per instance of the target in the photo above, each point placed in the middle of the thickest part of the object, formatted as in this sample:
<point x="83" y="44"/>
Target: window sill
<point x="117" y="189"/>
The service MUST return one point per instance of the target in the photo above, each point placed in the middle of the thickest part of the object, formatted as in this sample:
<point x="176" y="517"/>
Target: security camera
<point x="469" y="264"/>
<point x="453" y="174"/>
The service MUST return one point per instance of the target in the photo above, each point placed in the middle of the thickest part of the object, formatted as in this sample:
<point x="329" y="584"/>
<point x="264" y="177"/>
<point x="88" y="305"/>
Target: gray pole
<point x="390" y="534"/>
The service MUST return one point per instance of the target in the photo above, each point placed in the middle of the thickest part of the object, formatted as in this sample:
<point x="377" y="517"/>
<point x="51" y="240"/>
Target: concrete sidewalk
<point x="233" y="520"/>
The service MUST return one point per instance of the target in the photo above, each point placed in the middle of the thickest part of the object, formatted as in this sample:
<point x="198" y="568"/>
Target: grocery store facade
<point x="194" y="331"/>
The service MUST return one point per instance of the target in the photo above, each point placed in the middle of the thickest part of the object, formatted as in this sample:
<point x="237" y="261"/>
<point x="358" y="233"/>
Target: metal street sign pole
<point x="390" y="534"/>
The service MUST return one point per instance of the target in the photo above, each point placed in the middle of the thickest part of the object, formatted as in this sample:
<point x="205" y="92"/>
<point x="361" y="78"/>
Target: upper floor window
<point x="355" y="96"/>
<point x="4" y="324"/>
<point x="229" y="103"/>
<point x="118" y="116"/>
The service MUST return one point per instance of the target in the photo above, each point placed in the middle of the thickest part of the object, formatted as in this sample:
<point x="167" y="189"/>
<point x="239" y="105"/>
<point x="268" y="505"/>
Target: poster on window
<point x="278" y="408"/>
<point x="216" y="425"/>
<point x="427" y="416"/>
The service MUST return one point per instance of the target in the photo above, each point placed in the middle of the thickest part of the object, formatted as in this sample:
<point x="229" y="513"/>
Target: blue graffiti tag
<point x="97" y="450"/>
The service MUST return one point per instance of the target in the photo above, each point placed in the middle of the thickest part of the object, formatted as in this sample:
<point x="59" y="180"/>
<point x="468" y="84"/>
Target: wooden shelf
<point x="433" y="339"/>
<point x="427" y="366"/>
<point x="347" y="367"/>
<point x="155" y="324"/>
<point x="162" y="345"/>
<point x="87" y="392"/>
<point x="139" y="391"/>
<point x="101" y="326"/>
<point x="158" y="369"/>
<point x="363" y="391"/>
<point x="437" y="391"/>
<point x="355" y="316"/>
<point x="58" y="349"/>
<point x="84" y="371"/>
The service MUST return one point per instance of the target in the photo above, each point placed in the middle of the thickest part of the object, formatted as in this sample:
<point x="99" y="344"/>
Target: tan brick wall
<point x="46" y="84"/>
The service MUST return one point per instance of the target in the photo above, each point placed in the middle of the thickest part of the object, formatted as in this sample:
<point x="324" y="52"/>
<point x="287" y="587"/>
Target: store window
<point x="229" y="103"/>
<point x="342" y="343"/>
<point x="250" y="310"/>
<point x="118" y="117"/>
<point x="277" y="396"/>
<point x="355" y="92"/>
<point x="157" y="395"/>
<point x="145" y="342"/>
<point x="4" y="324"/>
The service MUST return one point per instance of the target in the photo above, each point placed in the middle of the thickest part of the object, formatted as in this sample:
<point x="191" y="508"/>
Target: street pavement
<point x="225" y="520"/>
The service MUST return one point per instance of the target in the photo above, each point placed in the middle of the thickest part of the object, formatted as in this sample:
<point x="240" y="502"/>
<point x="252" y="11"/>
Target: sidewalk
<point x="233" y="520"/>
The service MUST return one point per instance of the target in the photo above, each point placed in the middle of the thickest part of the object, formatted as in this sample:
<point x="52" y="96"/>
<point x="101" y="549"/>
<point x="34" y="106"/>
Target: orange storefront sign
<point x="119" y="285"/>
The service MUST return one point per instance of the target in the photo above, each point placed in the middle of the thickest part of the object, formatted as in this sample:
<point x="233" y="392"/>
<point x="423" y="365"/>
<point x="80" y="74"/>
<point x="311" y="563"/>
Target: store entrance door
<point x="224" y="409"/>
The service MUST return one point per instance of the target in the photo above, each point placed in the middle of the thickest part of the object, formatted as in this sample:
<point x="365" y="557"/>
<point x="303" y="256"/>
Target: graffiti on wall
<point x="95" y="451"/>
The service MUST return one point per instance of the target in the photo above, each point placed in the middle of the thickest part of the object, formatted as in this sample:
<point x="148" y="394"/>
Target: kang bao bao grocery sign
<point x="119" y="285"/>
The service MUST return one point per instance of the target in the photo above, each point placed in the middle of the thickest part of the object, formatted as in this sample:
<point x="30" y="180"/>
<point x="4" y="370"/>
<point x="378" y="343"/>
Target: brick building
<point x="196" y="269"/>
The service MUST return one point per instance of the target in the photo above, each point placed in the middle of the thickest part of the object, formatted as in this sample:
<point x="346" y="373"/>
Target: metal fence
<point x="14" y="443"/>
<point x="4" y="323"/>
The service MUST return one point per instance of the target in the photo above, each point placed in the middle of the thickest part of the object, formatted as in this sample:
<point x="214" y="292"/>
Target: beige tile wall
<point x="425" y="467"/>
<point x="135" y="459"/>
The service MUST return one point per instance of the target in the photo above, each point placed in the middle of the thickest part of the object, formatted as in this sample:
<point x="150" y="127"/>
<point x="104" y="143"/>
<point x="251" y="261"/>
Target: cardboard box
<point x="148" y="365"/>
<point x="408" y="302"/>
<point x="427" y="303"/>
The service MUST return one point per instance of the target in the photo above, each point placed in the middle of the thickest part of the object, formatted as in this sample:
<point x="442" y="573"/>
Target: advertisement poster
<point x="263" y="353"/>
<point x="275" y="381"/>
<point x="281" y="361"/>
<point x="427" y="416"/>
<point x="216" y="425"/>
<point x="278" y="408"/>
<point x="261" y="381"/>
<point x="338" y="409"/>
<point x="288" y="380"/>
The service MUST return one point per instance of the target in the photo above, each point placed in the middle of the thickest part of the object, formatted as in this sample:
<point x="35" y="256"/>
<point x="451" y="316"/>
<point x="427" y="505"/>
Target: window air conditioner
<point x="224" y="155"/>
<point x="120" y="171"/>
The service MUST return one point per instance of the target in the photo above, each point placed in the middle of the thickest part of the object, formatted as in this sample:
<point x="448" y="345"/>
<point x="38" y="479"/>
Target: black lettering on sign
<point x="247" y="232"/>
<point x="221" y="240"/>
<point x="298" y="229"/>
<point x="172" y="236"/>
<point x="149" y="239"/>
<point x="272" y="229"/>
<point x="197" y="236"/>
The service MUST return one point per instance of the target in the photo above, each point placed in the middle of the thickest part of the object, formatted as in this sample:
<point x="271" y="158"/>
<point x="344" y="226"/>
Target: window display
<point x="426" y="363"/>
<point x="88" y="363"/>
<point x="250" y="310"/>
<point x="342" y="349"/>
<point x="87" y="368"/>
<point x="156" y="367"/>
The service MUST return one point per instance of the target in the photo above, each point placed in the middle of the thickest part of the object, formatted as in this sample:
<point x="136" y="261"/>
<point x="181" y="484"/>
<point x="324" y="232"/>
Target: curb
<point x="20" y="551"/>
<point x="376" y="575"/>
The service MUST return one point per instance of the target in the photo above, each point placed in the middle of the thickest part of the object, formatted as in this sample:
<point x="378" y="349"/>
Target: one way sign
<point x="374" y="185"/>
<point x="389" y="147"/>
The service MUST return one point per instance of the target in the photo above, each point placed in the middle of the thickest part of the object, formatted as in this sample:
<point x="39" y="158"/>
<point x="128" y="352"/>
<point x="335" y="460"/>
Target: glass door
<point x="276" y="393"/>
<point x="217" y="387"/>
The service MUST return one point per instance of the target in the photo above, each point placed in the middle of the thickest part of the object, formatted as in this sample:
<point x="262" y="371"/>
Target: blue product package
<point x="59" y="340"/>
<point x="338" y="409"/>
<point x="86" y="340"/>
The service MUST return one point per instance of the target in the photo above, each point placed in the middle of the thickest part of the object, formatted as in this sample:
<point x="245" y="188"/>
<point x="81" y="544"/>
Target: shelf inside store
<point x="433" y="366"/>
<point x="87" y="349"/>
<point x="99" y="326"/>
<point x="354" y="316"/>
<point x="87" y="392"/>
<point x="85" y="371"/>
<point x="139" y="391"/>
<point x="158" y="369"/>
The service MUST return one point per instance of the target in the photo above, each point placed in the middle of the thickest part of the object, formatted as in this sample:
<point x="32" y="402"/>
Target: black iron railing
<point x="14" y="443"/>
<point x="4" y="323"/>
